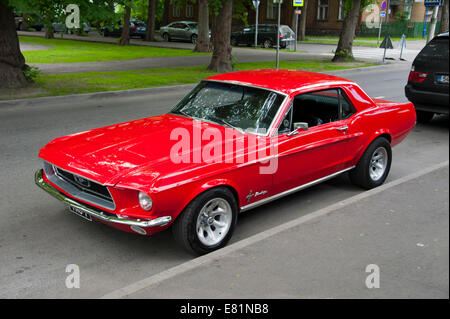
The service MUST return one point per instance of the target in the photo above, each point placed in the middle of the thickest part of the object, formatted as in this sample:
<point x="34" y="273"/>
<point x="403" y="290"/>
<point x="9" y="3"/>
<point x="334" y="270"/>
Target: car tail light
<point x="417" y="76"/>
<point x="281" y="36"/>
<point x="134" y="28"/>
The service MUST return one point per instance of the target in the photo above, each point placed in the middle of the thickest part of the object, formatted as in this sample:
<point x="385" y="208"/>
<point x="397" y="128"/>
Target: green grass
<point x="76" y="83"/>
<point x="69" y="51"/>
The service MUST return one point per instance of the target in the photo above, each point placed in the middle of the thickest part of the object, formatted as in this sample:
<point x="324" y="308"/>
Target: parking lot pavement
<point x="400" y="231"/>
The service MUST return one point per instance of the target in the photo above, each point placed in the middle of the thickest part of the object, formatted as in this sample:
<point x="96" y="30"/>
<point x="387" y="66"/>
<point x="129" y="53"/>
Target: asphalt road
<point x="39" y="237"/>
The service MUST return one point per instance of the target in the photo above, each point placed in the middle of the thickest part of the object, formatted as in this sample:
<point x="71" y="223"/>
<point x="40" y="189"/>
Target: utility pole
<point x="432" y="29"/>
<point x="256" y="5"/>
<point x="278" y="32"/>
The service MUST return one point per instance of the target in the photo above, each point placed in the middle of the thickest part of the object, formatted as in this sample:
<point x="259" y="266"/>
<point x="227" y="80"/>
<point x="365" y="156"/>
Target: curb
<point x="214" y="256"/>
<point x="88" y="96"/>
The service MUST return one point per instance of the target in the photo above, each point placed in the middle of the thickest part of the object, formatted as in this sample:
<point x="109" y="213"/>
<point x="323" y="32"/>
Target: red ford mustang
<point x="236" y="141"/>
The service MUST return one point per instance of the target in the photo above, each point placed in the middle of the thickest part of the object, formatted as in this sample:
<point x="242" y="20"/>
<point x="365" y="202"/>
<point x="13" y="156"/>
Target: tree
<point x="12" y="62"/>
<point x="150" y="35"/>
<point x="125" y="37"/>
<point x="202" y="44"/>
<point x="303" y="21"/>
<point x="221" y="58"/>
<point x="345" y="45"/>
<point x="444" y="17"/>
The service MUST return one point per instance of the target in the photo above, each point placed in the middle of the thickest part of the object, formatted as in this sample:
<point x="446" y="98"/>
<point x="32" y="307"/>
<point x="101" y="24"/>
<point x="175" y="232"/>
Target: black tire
<point x="184" y="227"/>
<point x="38" y="28"/>
<point x="194" y="39"/>
<point x="361" y="174"/>
<point x="267" y="44"/>
<point x="19" y="26"/>
<point x="233" y="42"/>
<point x="166" y="37"/>
<point x="424" y="117"/>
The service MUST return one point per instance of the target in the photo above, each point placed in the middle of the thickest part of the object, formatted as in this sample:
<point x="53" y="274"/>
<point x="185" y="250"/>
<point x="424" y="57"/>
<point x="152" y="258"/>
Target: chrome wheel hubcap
<point x="378" y="163"/>
<point x="214" y="221"/>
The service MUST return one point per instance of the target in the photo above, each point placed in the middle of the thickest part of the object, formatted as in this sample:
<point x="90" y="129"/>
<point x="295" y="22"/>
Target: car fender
<point x="385" y="132"/>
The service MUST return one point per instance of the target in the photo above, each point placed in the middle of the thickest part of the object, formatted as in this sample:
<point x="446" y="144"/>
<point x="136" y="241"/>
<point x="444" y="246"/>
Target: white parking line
<point x="194" y="263"/>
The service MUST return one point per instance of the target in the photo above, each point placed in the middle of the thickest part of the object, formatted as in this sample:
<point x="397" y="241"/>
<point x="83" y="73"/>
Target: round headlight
<point x="145" y="201"/>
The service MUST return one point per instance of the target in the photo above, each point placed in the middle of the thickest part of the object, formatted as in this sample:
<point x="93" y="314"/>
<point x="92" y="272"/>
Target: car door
<point x="309" y="155"/>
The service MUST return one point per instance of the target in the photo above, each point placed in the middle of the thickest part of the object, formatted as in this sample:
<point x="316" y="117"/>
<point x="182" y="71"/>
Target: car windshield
<point x="245" y="108"/>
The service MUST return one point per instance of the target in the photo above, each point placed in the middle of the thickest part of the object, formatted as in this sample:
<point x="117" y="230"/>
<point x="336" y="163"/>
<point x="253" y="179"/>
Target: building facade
<point x="323" y="16"/>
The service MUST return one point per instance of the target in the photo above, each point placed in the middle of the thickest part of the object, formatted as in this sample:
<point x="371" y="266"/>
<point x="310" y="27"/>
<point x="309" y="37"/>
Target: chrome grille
<point x="79" y="186"/>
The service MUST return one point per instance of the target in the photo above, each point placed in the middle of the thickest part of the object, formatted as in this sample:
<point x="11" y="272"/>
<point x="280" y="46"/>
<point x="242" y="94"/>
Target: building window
<point x="176" y="11"/>
<point x="271" y="10"/>
<point x="189" y="11"/>
<point x="341" y="14"/>
<point x="322" y="10"/>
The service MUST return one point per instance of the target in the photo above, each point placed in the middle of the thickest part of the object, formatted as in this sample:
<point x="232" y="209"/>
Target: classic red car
<point x="236" y="141"/>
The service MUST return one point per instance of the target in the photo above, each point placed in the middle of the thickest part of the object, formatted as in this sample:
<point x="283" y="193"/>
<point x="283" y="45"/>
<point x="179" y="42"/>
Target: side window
<point x="317" y="108"/>
<point x="347" y="109"/>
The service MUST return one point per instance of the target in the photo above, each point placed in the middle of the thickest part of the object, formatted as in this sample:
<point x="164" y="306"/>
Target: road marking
<point x="194" y="263"/>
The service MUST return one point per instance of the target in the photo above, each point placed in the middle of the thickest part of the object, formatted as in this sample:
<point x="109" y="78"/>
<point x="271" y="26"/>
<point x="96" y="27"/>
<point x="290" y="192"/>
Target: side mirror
<point x="298" y="127"/>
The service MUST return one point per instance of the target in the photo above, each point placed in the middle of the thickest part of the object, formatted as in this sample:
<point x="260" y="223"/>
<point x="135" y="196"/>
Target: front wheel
<point x="373" y="167"/>
<point x="208" y="222"/>
<point x="166" y="37"/>
<point x="267" y="44"/>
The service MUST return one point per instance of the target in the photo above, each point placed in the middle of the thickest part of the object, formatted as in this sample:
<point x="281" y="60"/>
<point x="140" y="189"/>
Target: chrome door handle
<point x="342" y="128"/>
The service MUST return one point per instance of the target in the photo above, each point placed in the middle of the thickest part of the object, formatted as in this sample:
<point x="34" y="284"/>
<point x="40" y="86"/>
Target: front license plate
<point x="441" y="78"/>
<point x="80" y="213"/>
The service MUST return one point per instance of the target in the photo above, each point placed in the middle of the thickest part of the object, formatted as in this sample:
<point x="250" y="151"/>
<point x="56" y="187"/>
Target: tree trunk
<point x="302" y="23"/>
<point x="165" y="17"/>
<point x="221" y="59"/>
<point x="49" y="34"/>
<point x="444" y="17"/>
<point x="345" y="45"/>
<point x="125" y="38"/>
<point x="12" y="62"/>
<point x="150" y="35"/>
<point x="202" y="44"/>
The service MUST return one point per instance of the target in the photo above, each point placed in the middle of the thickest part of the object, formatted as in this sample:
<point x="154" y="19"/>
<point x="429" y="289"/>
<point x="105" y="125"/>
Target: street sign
<point x="434" y="3"/>
<point x="256" y="3"/>
<point x="382" y="14"/>
<point x="298" y="11"/>
<point x="298" y="3"/>
<point x="383" y="5"/>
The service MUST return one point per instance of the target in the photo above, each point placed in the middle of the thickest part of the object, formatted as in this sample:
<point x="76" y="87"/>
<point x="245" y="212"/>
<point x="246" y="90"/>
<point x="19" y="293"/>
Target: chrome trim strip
<point x="39" y="180"/>
<point x="292" y="190"/>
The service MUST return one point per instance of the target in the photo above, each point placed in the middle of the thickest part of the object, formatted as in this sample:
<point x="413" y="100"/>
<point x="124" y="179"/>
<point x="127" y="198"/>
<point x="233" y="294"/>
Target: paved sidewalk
<point x="404" y="230"/>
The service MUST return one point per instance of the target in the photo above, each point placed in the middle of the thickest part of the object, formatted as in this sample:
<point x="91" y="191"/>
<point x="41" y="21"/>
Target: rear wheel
<point x="194" y="39"/>
<point x="208" y="222"/>
<point x="166" y="37"/>
<point x="373" y="167"/>
<point x="424" y="117"/>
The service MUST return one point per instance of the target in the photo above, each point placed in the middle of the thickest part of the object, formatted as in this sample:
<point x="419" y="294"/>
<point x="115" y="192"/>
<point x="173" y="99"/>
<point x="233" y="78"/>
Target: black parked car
<point x="138" y="28"/>
<point x="427" y="86"/>
<point x="267" y="36"/>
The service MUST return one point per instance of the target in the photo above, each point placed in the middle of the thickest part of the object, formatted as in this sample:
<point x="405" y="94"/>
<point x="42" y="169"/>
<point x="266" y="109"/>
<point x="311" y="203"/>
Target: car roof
<point x="284" y="81"/>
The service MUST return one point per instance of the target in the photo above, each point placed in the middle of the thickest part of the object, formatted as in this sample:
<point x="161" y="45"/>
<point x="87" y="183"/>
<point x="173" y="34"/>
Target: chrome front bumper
<point x="161" y="221"/>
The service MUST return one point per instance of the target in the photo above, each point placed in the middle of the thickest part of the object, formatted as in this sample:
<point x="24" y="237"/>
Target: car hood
<point x="109" y="154"/>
